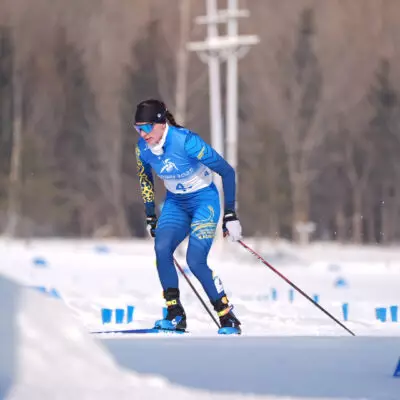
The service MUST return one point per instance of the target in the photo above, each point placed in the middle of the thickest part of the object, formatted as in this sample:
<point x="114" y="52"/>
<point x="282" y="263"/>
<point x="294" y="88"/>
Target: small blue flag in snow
<point x="393" y="313"/>
<point x="345" y="311"/>
<point x="341" y="282"/>
<point x="54" y="293"/>
<point x="39" y="262"/>
<point x="380" y="313"/>
<point x="49" y="292"/>
<point x="106" y="315"/>
<point x="129" y="314"/>
<point x="41" y="289"/>
<point x="397" y="370"/>
<point x="102" y="249"/>
<point x="119" y="315"/>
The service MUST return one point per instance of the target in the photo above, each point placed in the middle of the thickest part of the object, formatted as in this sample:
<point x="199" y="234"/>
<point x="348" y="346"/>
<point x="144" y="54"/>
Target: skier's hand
<point x="231" y="226"/>
<point x="151" y="224"/>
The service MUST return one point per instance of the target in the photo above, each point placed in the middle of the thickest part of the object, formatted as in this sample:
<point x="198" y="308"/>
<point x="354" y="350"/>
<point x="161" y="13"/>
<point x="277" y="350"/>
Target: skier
<point x="185" y="163"/>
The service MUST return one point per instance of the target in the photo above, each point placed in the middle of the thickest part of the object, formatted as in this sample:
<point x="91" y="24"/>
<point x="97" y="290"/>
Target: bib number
<point x="181" y="187"/>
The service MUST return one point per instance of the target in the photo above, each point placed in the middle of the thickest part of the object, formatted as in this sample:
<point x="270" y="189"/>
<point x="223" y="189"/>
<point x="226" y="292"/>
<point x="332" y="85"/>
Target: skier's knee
<point x="162" y="245"/>
<point x="195" y="259"/>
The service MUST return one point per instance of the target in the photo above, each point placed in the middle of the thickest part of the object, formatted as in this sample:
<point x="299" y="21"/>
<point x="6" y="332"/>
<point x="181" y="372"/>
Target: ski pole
<point x="196" y="292"/>
<point x="295" y="287"/>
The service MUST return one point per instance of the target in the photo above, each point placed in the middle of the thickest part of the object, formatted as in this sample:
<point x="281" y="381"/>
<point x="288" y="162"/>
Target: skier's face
<point x="151" y="133"/>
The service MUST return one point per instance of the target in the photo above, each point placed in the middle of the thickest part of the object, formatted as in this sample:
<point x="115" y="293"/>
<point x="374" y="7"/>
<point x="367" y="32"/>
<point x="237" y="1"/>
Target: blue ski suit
<point x="191" y="205"/>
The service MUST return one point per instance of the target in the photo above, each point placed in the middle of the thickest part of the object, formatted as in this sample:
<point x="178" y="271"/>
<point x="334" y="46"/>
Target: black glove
<point x="151" y="224"/>
<point x="228" y="217"/>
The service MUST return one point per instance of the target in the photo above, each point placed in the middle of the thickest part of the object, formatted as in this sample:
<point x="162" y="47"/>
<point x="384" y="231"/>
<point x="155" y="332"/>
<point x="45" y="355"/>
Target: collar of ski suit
<point x="157" y="149"/>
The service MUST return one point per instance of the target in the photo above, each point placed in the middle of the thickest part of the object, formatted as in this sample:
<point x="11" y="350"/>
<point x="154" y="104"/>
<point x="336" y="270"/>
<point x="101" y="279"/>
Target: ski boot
<point x="175" y="320"/>
<point x="230" y="325"/>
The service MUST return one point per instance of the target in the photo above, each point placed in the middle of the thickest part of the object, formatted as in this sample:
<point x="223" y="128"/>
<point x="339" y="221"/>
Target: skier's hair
<point x="171" y="119"/>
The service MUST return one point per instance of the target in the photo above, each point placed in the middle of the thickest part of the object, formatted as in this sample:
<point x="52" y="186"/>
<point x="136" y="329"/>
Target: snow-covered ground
<point x="289" y="349"/>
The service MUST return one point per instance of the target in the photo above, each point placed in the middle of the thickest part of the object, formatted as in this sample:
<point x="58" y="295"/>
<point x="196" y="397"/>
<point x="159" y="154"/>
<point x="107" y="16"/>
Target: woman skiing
<point x="185" y="163"/>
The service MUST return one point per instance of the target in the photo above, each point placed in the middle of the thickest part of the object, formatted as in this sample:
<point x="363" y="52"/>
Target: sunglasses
<point x="146" y="128"/>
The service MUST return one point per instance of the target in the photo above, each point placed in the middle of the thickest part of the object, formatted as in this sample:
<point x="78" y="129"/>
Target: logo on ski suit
<point x="169" y="166"/>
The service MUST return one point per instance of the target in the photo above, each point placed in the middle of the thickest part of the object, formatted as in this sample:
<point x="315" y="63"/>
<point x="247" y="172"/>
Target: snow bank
<point x="46" y="354"/>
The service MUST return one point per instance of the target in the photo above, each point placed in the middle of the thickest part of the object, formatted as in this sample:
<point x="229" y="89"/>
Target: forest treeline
<point x="319" y="113"/>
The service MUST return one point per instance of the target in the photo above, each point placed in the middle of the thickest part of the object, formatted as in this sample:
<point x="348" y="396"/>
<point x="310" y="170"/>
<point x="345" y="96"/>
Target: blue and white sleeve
<point x="146" y="183"/>
<point x="197" y="148"/>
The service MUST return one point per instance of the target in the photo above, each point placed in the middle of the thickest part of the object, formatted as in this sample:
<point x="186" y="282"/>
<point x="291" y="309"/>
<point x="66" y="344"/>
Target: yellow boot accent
<point x="224" y="311"/>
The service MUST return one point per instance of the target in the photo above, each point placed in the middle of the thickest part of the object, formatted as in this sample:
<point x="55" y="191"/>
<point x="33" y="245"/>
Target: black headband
<point x="151" y="111"/>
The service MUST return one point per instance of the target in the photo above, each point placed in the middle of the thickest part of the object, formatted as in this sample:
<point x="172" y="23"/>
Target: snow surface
<point x="288" y="350"/>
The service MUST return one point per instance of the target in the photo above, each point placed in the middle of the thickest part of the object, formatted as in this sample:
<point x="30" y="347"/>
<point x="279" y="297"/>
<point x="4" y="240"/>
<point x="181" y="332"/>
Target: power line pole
<point x="14" y="187"/>
<point x="232" y="89"/>
<point x="209" y="52"/>
<point x="182" y="62"/>
<point x="214" y="50"/>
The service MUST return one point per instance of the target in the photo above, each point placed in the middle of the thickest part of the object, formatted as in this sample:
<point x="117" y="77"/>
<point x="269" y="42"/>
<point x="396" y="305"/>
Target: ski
<point x="142" y="331"/>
